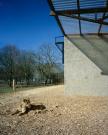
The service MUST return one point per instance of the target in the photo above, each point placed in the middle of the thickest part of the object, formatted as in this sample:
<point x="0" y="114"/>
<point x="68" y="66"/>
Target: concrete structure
<point x="85" y="54"/>
<point x="86" y="65"/>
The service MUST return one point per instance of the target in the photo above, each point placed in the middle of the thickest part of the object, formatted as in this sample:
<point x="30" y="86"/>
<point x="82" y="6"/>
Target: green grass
<point x="5" y="89"/>
<point x="9" y="89"/>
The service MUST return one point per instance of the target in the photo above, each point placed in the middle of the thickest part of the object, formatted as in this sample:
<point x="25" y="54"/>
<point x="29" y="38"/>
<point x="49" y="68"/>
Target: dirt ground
<point x="56" y="113"/>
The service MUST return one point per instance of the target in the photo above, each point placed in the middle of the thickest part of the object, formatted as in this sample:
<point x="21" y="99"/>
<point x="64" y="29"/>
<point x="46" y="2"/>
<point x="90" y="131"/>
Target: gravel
<point x="63" y="115"/>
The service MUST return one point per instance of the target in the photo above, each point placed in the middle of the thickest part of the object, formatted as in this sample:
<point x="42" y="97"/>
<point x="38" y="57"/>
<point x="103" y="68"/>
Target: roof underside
<point x="80" y="16"/>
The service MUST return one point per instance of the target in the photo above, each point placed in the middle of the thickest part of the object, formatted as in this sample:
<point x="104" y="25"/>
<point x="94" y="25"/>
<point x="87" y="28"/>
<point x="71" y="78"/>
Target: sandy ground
<point x="61" y="115"/>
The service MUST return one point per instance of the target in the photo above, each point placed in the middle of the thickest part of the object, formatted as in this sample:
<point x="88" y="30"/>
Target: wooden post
<point x="13" y="85"/>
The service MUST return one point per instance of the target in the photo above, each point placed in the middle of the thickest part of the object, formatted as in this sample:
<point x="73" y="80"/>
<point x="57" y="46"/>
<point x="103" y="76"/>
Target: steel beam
<point x="102" y="19"/>
<point x="101" y="23"/>
<point x="83" y="11"/>
<point x="84" y="19"/>
<point x="78" y="14"/>
<point x="78" y="6"/>
<point x="105" y="17"/>
<point x="56" y="17"/>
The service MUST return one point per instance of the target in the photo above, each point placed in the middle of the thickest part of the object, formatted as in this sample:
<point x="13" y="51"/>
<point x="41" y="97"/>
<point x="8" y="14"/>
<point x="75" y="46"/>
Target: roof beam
<point x="56" y="17"/>
<point x="78" y="14"/>
<point x="84" y="11"/>
<point x="78" y="6"/>
<point x="85" y="19"/>
<point x="101" y="23"/>
<point x="105" y="17"/>
<point x="102" y="18"/>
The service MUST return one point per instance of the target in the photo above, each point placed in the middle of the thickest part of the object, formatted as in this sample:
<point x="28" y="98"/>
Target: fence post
<point x="13" y="85"/>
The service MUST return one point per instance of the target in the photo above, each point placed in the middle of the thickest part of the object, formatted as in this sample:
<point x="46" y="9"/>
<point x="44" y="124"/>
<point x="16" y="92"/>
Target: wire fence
<point x="35" y="82"/>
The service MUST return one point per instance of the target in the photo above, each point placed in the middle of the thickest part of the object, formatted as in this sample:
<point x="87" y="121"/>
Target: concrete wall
<point x="85" y="59"/>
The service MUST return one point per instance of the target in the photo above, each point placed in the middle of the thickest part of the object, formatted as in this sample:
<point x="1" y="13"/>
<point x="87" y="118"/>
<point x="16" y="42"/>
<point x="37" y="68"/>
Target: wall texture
<point x="85" y="59"/>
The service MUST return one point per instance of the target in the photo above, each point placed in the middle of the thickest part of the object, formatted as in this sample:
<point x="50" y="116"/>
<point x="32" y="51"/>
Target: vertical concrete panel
<point x="82" y="76"/>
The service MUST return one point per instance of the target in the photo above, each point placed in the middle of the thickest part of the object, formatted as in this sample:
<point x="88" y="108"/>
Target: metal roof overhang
<point x="80" y="16"/>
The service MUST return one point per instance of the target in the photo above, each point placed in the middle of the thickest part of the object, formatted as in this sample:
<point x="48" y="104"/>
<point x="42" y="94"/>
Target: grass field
<point x="5" y="89"/>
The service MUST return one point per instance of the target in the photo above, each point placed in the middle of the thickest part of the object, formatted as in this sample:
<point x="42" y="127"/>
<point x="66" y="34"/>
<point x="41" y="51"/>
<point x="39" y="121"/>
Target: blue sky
<point x="26" y="23"/>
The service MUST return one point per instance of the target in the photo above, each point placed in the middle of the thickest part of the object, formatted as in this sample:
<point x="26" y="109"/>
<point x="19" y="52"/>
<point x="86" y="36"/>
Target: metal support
<point x="84" y="19"/>
<point x="59" y="41"/>
<point x="101" y="24"/>
<point x="56" y="17"/>
<point x="78" y="6"/>
<point x="68" y="9"/>
<point x="102" y="19"/>
<point x="84" y="11"/>
<point x="63" y="55"/>
<point x="105" y="17"/>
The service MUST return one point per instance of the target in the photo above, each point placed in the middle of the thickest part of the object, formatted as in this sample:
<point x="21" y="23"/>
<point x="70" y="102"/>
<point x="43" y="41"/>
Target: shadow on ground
<point x="38" y="108"/>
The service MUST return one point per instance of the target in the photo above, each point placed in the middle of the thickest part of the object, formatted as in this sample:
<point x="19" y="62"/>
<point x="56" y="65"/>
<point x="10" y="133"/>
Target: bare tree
<point x="27" y="65"/>
<point x="23" y="65"/>
<point x="8" y="61"/>
<point x="16" y="64"/>
<point x="46" y="62"/>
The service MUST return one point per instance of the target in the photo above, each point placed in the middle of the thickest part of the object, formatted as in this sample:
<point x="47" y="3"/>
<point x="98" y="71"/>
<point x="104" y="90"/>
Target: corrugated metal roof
<point x="81" y="16"/>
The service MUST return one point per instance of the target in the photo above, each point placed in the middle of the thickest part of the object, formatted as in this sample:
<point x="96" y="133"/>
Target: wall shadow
<point x="99" y="58"/>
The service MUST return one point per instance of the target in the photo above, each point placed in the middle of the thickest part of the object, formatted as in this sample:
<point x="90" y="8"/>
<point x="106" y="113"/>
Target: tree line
<point x="22" y="65"/>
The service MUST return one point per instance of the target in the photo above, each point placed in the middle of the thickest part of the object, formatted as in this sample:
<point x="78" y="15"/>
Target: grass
<point x="9" y="89"/>
<point x="6" y="89"/>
